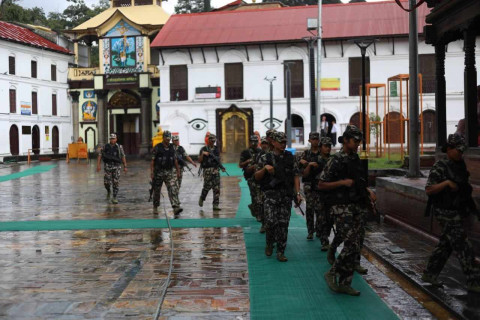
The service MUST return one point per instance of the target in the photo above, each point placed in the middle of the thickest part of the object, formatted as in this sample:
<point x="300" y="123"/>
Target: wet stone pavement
<point x="111" y="274"/>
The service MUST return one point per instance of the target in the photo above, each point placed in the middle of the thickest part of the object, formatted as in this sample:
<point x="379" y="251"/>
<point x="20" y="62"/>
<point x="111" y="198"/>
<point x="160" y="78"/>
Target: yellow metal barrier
<point x="77" y="150"/>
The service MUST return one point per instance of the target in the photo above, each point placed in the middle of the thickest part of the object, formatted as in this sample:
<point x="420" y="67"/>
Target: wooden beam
<point x="341" y="45"/>
<point x="324" y="49"/>
<point x="246" y="50"/>
<point x="161" y="55"/>
<point x="261" y="52"/>
<point x="203" y="54"/>
<point x="190" y="53"/>
<point x="216" y="53"/>
<point x="276" y="51"/>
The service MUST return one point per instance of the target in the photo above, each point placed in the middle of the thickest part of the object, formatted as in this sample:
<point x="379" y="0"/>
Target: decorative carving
<point x="75" y="95"/>
<point x="123" y="99"/>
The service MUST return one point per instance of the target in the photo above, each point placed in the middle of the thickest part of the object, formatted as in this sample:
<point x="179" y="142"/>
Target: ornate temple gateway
<point x="122" y="93"/>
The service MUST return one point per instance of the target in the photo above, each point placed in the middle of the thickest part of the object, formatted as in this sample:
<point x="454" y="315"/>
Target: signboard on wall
<point x="121" y="81"/>
<point x="393" y="89"/>
<point x="330" y="84"/>
<point x="208" y="93"/>
<point x="25" y="108"/>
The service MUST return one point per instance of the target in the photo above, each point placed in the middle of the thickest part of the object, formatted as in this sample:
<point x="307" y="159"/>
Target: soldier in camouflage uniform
<point x="113" y="156"/>
<point x="450" y="200"/>
<point x="209" y="159"/>
<point x="247" y="163"/>
<point x="309" y="161"/>
<point x="164" y="168"/>
<point x="344" y="179"/>
<point x="182" y="156"/>
<point x="324" y="220"/>
<point x="278" y="175"/>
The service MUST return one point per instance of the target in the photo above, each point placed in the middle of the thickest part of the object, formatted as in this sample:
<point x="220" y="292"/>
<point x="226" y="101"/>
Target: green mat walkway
<point x="27" y="172"/>
<point x="292" y="290"/>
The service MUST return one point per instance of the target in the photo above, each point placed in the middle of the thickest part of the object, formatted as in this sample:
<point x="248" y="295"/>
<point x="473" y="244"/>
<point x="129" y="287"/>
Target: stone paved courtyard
<point x="120" y="273"/>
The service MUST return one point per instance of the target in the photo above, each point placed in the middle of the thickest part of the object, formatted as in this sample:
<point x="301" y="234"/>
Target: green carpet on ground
<point x="28" y="172"/>
<point x="296" y="289"/>
<point x="233" y="170"/>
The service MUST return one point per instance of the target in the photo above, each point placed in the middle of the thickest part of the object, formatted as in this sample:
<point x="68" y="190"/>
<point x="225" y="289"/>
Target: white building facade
<point x="218" y="67"/>
<point x="35" y="113"/>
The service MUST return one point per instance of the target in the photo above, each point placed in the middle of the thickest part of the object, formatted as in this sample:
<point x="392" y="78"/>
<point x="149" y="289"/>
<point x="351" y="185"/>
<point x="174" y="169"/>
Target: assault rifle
<point x="184" y="165"/>
<point x="219" y="163"/>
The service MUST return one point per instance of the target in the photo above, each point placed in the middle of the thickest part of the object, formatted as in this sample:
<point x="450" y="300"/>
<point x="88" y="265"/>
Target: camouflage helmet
<point x="325" y="141"/>
<point x="279" y="136"/>
<point x="456" y="141"/>
<point x="270" y="133"/>
<point x="313" y="135"/>
<point x="353" y="132"/>
<point x="167" y="134"/>
<point x="212" y="137"/>
<point x="254" y="138"/>
<point x="264" y="140"/>
<point x="175" y="137"/>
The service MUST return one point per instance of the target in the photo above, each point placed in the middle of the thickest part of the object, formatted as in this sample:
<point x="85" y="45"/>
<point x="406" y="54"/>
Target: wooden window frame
<point x="11" y="65"/>
<point x="233" y="91"/>
<point x="53" y="72"/>
<point x="34" y="102"/>
<point x="174" y="88"/>
<point x="54" y="104"/>
<point x="297" y="85"/>
<point x="13" y="100"/>
<point x="34" y="69"/>
<point x="354" y="82"/>
<point x="428" y="78"/>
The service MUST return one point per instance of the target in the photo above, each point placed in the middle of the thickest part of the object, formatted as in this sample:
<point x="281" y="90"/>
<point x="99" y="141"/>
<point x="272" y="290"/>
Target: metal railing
<point x="54" y="151"/>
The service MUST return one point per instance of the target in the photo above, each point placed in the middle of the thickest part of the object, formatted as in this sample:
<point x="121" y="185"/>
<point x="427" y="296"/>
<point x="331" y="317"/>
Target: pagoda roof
<point x="150" y="17"/>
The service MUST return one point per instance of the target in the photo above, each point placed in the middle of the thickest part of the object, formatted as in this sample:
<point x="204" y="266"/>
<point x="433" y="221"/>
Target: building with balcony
<point x="120" y="95"/>
<point x="213" y="65"/>
<point x="35" y="113"/>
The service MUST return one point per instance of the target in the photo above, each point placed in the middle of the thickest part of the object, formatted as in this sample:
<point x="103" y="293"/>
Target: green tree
<point x="11" y="11"/>
<point x="296" y="3"/>
<point x="189" y="6"/>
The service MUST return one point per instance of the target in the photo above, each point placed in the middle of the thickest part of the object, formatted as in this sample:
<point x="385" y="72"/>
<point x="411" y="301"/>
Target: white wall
<point x="383" y="64"/>
<point x="24" y="84"/>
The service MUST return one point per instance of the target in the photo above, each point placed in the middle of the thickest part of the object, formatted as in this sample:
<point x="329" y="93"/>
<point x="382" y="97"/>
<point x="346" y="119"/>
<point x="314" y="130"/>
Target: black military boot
<point x="281" y="257"/>
<point x="331" y="281"/>
<point x="331" y="255"/>
<point x="361" y="270"/>
<point x="347" y="290"/>
<point x="268" y="250"/>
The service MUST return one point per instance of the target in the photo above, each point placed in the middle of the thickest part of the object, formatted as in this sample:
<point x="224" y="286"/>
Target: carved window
<point x="355" y="74"/>
<point x="54" y="104"/>
<point x="11" y="65"/>
<point x="53" y="72"/>
<point x="296" y="78"/>
<point x="178" y="83"/>
<point x="13" y="101"/>
<point x="34" y="103"/>
<point x="426" y="66"/>
<point x="233" y="81"/>
<point x="34" y="68"/>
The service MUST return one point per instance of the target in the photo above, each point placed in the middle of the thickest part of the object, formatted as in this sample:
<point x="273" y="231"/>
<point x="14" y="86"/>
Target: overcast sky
<point x="60" y="5"/>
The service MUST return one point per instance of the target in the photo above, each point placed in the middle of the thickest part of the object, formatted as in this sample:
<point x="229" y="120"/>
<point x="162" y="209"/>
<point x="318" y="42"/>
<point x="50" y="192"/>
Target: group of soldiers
<point x="336" y="193"/>
<point x="168" y="162"/>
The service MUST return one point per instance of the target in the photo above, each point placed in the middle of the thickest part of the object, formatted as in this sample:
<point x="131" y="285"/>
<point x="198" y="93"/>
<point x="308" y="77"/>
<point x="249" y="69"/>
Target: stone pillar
<point x="75" y="95"/>
<point x="145" y="120"/>
<point x="470" y="88"/>
<point x="102" y="116"/>
<point x="440" y="95"/>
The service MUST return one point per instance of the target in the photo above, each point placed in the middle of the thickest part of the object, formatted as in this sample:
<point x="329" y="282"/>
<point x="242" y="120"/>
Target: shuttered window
<point x="426" y="66"/>
<point x="178" y="83"/>
<point x="355" y="74"/>
<point x="296" y="78"/>
<point x="34" y="69"/>
<point x="34" y="103"/>
<point x="54" y="104"/>
<point x="233" y="81"/>
<point x="13" y="101"/>
<point x="11" y="65"/>
<point x="53" y="71"/>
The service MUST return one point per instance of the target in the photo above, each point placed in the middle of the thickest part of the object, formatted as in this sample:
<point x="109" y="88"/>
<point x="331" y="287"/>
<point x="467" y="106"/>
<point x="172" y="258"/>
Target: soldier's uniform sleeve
<point x="202" y="150"/>
<point x="122" y="153"/>
<point x="296" y="168"/>
<point x="262" y="161"/>
<point x="437" y="174"/>
<point x="183" y="153"/>
<point x="244" y="156"/>
<point x="330" y="172"/>
<point x="154" y="152"/>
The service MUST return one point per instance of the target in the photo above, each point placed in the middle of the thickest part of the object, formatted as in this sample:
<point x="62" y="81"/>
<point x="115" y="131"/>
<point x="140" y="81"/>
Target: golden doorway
<point x="235" y="132"/>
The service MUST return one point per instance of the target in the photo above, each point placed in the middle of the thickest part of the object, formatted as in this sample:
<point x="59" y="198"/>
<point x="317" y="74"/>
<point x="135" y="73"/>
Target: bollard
<point x="28" y="157"/>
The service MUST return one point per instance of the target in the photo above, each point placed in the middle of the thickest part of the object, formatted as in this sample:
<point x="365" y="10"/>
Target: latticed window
<point x="34" y="68"/>
<point x="13" y="101"/>
<point x="34" y="103"/>
<point x="11" y="65"/>
<point x="426" y="66"/>
<point x="355" y="74"/>
<point x="296" y="78"/>
<point x="233" y="81"/>
<point x="54" y="104"/>
<point x="143" y="2"/>
<point x="178" y="83"/>
<point x="122" y="3"/>
<point x="53" y="72"/>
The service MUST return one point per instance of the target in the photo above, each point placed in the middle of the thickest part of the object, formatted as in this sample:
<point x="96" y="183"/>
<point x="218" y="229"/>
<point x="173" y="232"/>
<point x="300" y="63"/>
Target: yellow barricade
<point x="77" y="150"/>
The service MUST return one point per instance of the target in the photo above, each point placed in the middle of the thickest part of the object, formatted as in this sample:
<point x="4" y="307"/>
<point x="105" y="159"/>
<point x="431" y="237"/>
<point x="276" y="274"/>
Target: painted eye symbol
<point x="198" y="124"/>
<point x="276" y="123"/>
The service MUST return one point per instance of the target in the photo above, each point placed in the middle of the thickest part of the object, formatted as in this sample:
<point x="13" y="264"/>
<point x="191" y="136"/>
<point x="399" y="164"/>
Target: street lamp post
<point x="271" y="99"/>
<point x="311" y="61"/>
<point x="363" y="45"/>
<point x="289" y="98"/>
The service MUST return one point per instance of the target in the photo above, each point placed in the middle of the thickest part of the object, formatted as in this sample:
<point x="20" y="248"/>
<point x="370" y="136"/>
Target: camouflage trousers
<point x="257" y="198"/>
<point x="324" y="219"/>
<point x="277" y="209"/>
<point x="179" y="179"/>
<point x="312" y="213"/>
<point x="453" y="238"/>
<point x="349" y="220"/>
<point x="169" y="177"/>
<point x="211" y="180"/>
<point x="112" y="177"/>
